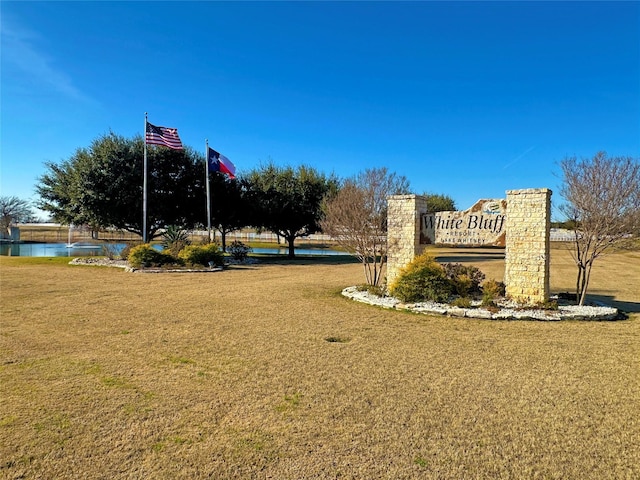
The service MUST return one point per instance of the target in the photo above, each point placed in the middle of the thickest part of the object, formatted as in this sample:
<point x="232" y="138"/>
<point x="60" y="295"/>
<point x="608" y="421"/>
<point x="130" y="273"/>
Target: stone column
<point x="403" y="231"/>
<point x="528" y="223"/>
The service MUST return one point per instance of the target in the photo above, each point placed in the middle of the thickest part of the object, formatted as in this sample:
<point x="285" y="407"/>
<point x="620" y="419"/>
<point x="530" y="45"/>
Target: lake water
<point x="299" y="251"/>
<point x="61" y="250"/>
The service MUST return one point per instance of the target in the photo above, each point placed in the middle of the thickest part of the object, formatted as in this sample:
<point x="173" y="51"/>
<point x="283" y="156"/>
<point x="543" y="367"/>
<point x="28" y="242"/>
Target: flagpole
<point x="144" y="185"/>
<point x="206" y="161"/>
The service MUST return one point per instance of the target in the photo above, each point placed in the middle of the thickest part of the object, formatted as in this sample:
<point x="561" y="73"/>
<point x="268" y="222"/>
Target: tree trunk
<point x="367" y="270"/>
<point x="579" y="283"/>
<point x="585" y="284"/>
<point x="292" y="252"/>
<point x="223" y="234"/>
<point x="376" y="273"/>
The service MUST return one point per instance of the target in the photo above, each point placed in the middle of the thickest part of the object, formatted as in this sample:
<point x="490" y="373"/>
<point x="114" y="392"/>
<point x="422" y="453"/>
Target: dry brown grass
<point x="106" y="374"/>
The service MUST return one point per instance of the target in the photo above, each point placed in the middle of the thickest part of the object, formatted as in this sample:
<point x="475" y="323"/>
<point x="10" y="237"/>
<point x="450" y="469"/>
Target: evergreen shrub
<point x="146" y="256"/>
<point x="175" y="239"/>
<point x="423" y="279"/>
<point x="491" y="291"/>
<point x="201" y="255"/>
<point x="238" y="250"/>
<point x="465" y="279"/>
<point x="462" y="302"/>
<point x="124" y="253"/>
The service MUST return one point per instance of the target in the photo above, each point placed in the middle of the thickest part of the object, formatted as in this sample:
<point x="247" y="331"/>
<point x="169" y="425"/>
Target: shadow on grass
<point x="627" y="307"/>
<point x="462" y="254"/>
<point x="603" y="299"/>
<point x="277" y="259"/>
<point x="475" y="257"/>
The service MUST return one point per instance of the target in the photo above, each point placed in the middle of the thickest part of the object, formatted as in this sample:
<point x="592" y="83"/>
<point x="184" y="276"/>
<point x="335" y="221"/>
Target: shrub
<point x="491" y="290"/>
<point x="124" y="253"/>
<point x="239" y="250"/>
<point x="464" y="279"/>
<point x="175" y="239"/>
<point x="201" y="254"/>
<point x="420" y="280"/>
<point x="378" y="290"/>
<point x="109" y="250"/>
<point x="147" y="256"/>
<point x="548" y="305"/>
<point x="462" y="302"/>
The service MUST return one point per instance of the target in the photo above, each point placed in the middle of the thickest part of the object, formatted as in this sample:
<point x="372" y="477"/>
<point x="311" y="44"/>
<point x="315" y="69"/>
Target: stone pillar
<point x="528" y="223"/>
<point x="403" y="231"/>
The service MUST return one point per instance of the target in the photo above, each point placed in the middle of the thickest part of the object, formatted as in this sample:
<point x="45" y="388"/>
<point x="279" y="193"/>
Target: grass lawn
<point x="266" y="371"/>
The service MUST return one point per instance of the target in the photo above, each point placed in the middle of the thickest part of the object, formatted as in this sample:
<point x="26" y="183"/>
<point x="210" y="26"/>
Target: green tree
<point x="287" y="201"/>
<point x="603" y="204"/>
<point x="229" y="210"/>
<point x="437" y="202"/>
<point x="13" y="210"/>
<point x="101" y="185"/>
<point x="60" y="190"/>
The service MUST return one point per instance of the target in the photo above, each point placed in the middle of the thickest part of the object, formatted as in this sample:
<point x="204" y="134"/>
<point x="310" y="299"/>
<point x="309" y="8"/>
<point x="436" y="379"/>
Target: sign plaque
<point x="481" y="225"/>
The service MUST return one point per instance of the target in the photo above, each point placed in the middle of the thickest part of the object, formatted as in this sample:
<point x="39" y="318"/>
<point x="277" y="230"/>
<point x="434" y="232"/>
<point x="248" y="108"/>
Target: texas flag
<point x="220" y="163"/>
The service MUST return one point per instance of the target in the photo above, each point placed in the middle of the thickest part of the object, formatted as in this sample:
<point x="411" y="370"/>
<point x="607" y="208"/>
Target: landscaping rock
<point x="508" y="310"/>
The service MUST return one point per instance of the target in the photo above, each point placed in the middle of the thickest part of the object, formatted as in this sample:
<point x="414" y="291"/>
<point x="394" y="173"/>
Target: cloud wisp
<point x="19" y="50"/>
<point x="516" y="159"/>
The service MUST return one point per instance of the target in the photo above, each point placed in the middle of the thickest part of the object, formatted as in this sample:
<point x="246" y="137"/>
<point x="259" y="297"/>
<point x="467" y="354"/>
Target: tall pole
<point x="206" y="161"/>
<point x="144" y="185"/>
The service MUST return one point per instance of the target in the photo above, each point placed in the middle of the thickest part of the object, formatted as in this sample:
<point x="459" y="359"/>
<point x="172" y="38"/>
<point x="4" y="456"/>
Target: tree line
<point x="101" y="186"/>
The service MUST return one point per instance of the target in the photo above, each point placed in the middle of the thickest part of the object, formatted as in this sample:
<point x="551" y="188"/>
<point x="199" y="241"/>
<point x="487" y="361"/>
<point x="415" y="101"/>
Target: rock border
<point x="105" y="262"/>
<point x="100" y="262"/>
<point x="508" y="311"/>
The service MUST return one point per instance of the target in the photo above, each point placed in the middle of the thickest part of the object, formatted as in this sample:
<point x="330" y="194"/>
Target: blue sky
<point x="464" y="99"/>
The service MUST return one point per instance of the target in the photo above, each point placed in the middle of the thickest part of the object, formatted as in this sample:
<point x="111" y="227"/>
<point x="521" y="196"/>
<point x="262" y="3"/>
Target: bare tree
<point x="12" y="210"/>
<point x="603" y="201"/>
<point x="356" y="217"/>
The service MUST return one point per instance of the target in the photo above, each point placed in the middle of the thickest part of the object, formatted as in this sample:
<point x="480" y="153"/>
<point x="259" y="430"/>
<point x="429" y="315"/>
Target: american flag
<point x="163" y="136"/>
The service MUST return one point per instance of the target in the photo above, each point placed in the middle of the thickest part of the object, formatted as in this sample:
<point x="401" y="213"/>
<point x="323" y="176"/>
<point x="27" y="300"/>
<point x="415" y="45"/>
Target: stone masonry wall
<point x="527" y="224"/>
<point x="526" y="274"/>
<point x="403" y="231"/>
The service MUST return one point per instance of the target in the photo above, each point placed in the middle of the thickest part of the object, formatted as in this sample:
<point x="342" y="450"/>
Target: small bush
<point x="239" y="250"/>
<point x="147" y="256"/>
<point x="378" y="290"/>
<point x="109" y="250"/>
<point x="201" y="254"/>
<point x="462" y="302"/>
<point x="175" y="239"/>
<point x="465" y="279"/>
<point x="548" y="305"/>
<point x="421" y="280"/>
<point x="124" y="253"/>
<point x="491" y="291"/>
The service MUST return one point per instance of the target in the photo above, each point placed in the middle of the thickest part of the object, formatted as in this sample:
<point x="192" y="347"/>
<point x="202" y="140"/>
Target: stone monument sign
<point x="481" y="225"/>
<point x="521" y="224"/>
